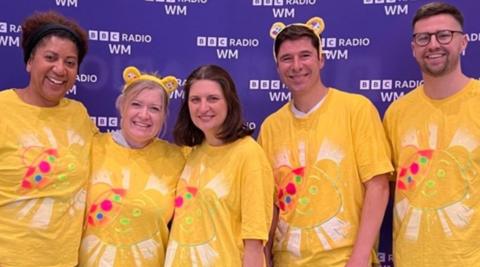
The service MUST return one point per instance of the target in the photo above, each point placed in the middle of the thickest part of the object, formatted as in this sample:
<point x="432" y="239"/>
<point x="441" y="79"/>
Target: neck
<point x="445" y="85"/>
<point x="305" y="101"/>
<point x="27" y="96"/>
<point x="212" y="140"/>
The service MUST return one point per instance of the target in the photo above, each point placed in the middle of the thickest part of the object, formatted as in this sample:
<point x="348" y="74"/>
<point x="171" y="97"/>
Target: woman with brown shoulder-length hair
<point x="224" y="201"/>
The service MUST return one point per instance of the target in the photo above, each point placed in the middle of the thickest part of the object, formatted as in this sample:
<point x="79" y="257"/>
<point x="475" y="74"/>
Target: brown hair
<point x="233" y="128"/>
<point x="41" y="25"/>
<point x="294" y="32"/>
<point x="437" y="8"/>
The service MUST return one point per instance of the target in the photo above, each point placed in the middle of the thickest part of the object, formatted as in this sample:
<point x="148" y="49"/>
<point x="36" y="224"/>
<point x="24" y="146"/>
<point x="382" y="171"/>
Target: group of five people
<point x="311" y="192"/>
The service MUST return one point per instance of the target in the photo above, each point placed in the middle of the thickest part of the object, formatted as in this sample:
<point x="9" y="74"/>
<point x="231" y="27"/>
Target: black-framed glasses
<point x="443" y="37"/>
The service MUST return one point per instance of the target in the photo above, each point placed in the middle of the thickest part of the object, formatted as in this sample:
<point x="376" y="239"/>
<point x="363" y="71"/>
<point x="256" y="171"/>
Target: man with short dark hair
<point x="434" y="132"/>
<point x="330" y="157"/>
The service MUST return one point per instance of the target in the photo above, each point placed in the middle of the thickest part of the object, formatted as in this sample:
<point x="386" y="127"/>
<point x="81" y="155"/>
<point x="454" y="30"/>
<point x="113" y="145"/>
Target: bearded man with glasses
<point x="434" y="133"/>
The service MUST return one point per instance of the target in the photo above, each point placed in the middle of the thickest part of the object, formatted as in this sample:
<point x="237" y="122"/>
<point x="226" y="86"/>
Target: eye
<point x="194" y="99"/>
<point x="71" y="63"/>
<point x="155" y="109"/>
<point x="286" y="59"/>
<point x="135" y="104"/>
<point x="213" y="98"/>
<point x="424" y="37"/>
<point x="50" y="57"/>
<point x="305" y="55"/>
<point x="444" y="35"/>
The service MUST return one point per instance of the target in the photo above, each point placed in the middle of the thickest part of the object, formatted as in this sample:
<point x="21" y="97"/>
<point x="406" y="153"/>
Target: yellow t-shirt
<point x="320" y="163"/>
<point x="224" y="195"/>
<point x="44" y="168"/>
<point x="130" y="203"/>
<point x="436" y="153"/>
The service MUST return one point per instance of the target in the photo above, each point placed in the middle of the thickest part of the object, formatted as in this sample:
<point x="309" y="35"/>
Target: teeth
<point x="55" y="81"/>
<point x="140" y="124"/>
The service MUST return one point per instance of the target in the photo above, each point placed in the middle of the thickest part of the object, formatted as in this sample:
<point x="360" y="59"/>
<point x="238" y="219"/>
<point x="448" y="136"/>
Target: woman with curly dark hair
<point x="44" y="146"/>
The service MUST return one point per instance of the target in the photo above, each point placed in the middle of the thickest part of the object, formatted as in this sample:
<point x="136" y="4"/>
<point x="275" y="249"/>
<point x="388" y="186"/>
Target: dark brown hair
<point x="233" y="128"/>
<point x="294" y="32"/>
<point x="437" y="8"/>
<point x="42" y="25"/>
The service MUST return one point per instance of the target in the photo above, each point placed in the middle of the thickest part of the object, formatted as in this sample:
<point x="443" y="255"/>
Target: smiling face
<point x="436" y="59"/>
<point x="208" y="108"/>
<point x="143" y="115"/>
<point x="299" y="65"/>
<point x="53" y="67"/>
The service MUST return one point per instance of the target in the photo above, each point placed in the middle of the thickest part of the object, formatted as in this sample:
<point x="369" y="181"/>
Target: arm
<point x="271" y="236"/>
<point x="253" y="253"/>
<point x="375" y="202"/>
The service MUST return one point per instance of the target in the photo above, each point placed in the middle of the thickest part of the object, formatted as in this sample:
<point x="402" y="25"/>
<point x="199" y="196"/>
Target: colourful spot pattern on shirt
<point x="107" y="207"/>
<point x="418" y="165"/>
<point x="287" y="193"/>
<point x="38" y="173"/>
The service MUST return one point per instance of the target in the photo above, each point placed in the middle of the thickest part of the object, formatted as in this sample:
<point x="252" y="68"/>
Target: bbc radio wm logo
<point x="115" y="39"/>
<point x="391" y="7"/>
<point x="332" y="46"/>
<point x="388" y="87"/>
<point x="280" y="8"/>
<point x="66" y="3"/>
<point x="226" y="48"/>
<point x="273" y="87"/>
<point x="8" y="40"/>
<point x="173" y="8"/>
<point x="103" y="121"/>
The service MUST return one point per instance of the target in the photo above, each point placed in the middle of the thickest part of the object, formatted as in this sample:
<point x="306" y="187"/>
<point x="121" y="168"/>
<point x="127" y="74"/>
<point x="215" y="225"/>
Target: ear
<point x="28" y="67"/>
<point x="170" y="84"/>
<point x="464" y="43"/>
<point x="130" y="74"/>
<point x="316" y="24"/>
<point x="276" y="28"/>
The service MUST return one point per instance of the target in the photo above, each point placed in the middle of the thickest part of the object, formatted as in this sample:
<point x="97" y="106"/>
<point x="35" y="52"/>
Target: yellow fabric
<point x="225" y="195"/>
<point x="435" y="144"/>
<point x="129" y="204"/>
<point x="320" y="163"/>
<point x="44" y="168"/>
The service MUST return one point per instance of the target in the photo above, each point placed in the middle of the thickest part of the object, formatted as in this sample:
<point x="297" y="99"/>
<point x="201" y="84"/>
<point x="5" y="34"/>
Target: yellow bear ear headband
<point x="132" y="74"/>
<point x="315" y="24"/>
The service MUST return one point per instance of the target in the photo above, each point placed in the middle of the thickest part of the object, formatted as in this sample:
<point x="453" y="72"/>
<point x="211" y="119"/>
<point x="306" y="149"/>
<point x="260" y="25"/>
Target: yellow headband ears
<point x="132" y="74"/>
<point x="315" y="24"/>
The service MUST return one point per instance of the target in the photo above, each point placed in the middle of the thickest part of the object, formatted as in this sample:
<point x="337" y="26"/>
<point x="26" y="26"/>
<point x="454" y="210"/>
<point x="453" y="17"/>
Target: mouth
<point x="56" y="81"/>
<point x="142" y="125"/>
<point x="205" y="118"/>
<point x="297" y="76"/>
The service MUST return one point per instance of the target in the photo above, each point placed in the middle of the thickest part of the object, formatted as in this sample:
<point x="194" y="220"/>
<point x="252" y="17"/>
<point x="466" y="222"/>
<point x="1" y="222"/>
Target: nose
<point x="433" y="42"/>
<point x="59" y="68"/>
<point x="296" y="64"/>
<point x="143" y="112"/>
<point x="203" y="106"/>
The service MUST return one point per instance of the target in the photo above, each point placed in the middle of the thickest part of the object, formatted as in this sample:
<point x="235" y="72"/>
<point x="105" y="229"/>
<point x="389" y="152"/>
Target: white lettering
<point x="280" y="96"/>
<point x="137" y="38"/>
<point x="393" y="10"/>
<point x="354" y="42"/>
<point x="301" y="2"/>
<point x="175" y="10"/>
<point x="92" y="78"/>
<point x="283" y="12"/>
<point x="227" y="53"/>
<point x="244" y="42"/>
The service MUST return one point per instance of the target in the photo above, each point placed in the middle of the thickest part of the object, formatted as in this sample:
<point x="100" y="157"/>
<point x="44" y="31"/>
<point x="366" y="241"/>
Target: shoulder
<point x="403" y="102"/>
<point x="278" y="116"/>
<point x="166" y="149"/>
<point x="349" y="100"/>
